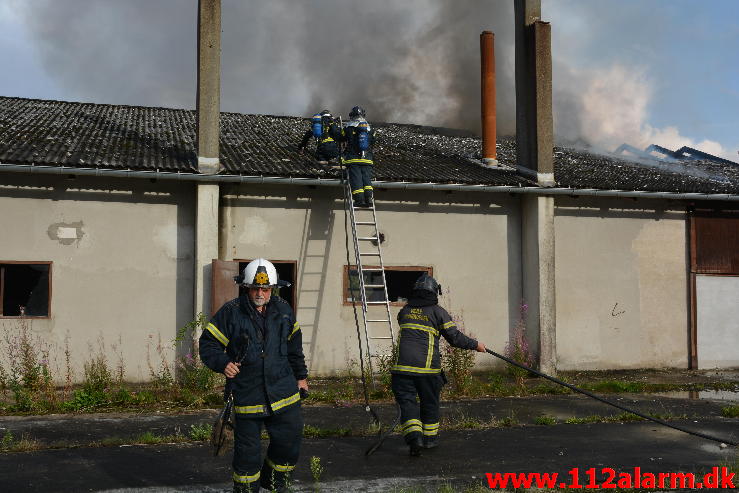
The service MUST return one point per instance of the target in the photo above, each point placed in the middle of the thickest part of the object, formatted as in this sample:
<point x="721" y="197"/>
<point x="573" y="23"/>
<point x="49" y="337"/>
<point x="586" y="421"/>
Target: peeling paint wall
<point x="472" y="241"/>
<point x="122" y="264"/>
<point x="621" y="277"/>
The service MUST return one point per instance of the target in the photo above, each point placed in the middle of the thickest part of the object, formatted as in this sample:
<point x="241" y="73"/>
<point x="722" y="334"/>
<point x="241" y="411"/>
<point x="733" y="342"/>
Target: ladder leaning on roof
<point x="366" y="235"/>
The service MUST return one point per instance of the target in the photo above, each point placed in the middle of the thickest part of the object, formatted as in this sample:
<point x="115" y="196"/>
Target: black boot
<point x="415" y="446"/>
<point x="359" y="203"/>
<point x="368" y="198"/>
<point x="430" y="442"/>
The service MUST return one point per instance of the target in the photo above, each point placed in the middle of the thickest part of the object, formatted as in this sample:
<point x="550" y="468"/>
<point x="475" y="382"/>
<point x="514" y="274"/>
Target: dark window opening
<point x="25" y="289"/>
<point x="286" y="271"/>
<point x="399" y="280"/>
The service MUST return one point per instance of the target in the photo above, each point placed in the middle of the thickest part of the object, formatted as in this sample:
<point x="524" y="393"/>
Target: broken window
<point x="25" y="289"/>
<point x="399" y="280"/>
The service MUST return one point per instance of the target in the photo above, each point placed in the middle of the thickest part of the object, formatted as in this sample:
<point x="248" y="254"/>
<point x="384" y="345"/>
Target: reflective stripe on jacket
<point x="352" y="155"/>
<point x="272" y="363"/>
<point x="418" y="348"/>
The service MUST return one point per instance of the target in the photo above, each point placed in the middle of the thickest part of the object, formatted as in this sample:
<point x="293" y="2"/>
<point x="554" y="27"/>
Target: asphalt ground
<point x="463" y="458"/>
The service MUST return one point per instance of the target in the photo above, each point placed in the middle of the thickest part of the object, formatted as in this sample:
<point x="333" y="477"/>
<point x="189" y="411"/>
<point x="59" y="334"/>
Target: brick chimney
<point x="487" y="97"/>
<point x="534" y="123"/>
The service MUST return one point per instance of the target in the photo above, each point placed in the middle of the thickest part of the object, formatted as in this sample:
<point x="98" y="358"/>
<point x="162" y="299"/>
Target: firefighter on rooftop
<point x="327" y="135"/>
<point x="260" y="328"/>
<point x="359" y="137"/>
<point x="417" y="371"/>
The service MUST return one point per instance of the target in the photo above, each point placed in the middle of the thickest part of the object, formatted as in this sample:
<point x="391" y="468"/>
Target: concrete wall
<point x="128" y="276"/>
<point x="472" y="241"/>
<point x="621" y="276"/>
<point x="126" y="280"/>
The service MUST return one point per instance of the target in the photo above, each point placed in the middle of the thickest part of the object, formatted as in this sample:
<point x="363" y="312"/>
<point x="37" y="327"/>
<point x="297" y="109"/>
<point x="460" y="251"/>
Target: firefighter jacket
<point x="270" y="348"/>
<point x="352" y="153"/>
<point x="330" y="139"/>
<point x="418" y="348"/>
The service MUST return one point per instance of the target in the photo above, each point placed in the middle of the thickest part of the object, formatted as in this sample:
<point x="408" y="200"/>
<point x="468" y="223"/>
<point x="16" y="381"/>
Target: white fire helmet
<point x="260" y="273"/>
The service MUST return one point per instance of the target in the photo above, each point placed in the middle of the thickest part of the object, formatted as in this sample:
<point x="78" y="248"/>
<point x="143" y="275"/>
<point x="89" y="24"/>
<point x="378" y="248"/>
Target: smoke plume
<point x="415" y="61"/>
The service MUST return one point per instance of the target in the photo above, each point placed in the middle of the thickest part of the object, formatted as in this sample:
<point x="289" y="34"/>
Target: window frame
<point x="345" y="281"/>
<point x="2" y="287"/>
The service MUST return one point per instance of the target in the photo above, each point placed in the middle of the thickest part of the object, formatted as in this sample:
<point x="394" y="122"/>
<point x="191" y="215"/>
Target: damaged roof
<point x="86" y="135"/>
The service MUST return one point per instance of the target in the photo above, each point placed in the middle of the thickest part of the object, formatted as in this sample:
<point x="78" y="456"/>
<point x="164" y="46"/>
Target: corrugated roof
<point x="42" y="132"/>
<point x="142" y="138"/>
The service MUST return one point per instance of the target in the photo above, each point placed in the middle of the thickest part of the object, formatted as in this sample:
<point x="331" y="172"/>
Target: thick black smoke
<point x="413" y="61"/>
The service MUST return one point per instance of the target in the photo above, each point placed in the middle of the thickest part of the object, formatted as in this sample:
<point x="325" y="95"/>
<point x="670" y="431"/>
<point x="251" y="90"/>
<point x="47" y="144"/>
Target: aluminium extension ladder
<point x="378" y="324"/>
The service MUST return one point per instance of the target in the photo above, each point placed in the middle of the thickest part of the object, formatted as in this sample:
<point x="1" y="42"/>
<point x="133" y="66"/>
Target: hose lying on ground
<point x="610" y="403"/>
<point x="383" y="436"/>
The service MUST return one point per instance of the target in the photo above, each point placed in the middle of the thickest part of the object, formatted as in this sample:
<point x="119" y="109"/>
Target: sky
<point x="624" y="71"/>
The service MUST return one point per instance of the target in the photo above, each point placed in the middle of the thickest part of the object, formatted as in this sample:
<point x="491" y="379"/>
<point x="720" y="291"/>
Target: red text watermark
<point x="719" y="477"/>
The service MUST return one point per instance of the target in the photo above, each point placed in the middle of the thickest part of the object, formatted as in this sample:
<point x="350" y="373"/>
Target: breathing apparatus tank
<point x="317" y="125"/>
<point x="363" y="136"/>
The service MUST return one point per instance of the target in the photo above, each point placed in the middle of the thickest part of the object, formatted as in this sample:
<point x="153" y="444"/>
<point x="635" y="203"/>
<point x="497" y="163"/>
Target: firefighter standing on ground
<point x="417" y="371"/>
<point x="359" y="138"/>
<point x="266" y="384"/>
<point x="327" y="134"/>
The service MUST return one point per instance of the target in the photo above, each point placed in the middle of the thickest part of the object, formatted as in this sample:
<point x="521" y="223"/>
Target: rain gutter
<point x="332" y="182"/>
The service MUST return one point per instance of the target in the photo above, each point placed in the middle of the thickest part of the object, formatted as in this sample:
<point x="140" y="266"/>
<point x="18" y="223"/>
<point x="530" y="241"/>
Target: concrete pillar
<point x="208" y="103"/>
<point x="208" y="131"/>
<point x="206" y="243"/>
<point x="537" y="215"/>
<point x="534" y="122"/>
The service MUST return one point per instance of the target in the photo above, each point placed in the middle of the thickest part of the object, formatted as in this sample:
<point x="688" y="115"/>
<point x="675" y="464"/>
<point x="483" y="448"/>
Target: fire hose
<point x="723" y="441"/>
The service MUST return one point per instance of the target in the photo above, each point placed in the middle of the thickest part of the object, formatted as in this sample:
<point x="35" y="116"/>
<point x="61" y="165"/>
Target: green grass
<point x="545" y="420"/>
<point x="310" y="431"/>
<point x="730" y="412"/>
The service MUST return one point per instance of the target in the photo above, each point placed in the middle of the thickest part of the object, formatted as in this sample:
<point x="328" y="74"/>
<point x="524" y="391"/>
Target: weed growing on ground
<point x="518" y="349"/>
<point x="27" y="374"/>
<point x="614" y="386"/>
<point x="200" y="432"/>
<point x="730" y="412"/>
<point x="457" y="363"/>
<point x="316" y="469"/>
<point x="10" y="444"/>
<point x="510" y="420"/>
<point x="161" y="373"/>
<point x="310" y="431"/>
<point x="545" y="420"/>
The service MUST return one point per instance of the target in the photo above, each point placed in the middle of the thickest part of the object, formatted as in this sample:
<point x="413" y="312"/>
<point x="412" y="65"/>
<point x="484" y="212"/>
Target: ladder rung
<point x="384" y="321"/>
<point x="365" y="223"/>
<point x="372" y="286"/>
<point x="381" y="337"/>
<point x="371" y="269"/>
<point x="369" y="254"/>
<point x="376" y="302"/>
<point x="367" y="238"/>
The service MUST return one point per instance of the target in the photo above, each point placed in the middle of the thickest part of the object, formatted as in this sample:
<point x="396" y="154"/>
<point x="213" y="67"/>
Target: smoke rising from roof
<point x="415" y="61"/>
<point x="412" y="61"/>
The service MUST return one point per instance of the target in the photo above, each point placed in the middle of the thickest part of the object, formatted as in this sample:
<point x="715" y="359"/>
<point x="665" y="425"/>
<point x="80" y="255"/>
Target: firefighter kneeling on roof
<point x="261" y="328"/>
<point x="417" y="371"/>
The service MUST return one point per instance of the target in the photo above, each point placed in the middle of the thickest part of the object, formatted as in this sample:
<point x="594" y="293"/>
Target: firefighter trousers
<point x="416" y="420"/>
<point x="285" y="432"/>
<point x="360" y="180"/>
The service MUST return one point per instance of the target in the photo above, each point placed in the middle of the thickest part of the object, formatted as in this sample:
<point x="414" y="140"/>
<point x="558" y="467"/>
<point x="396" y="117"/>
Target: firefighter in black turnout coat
<point x="256" y="341"/>
<point x="417" y="371"/>
<point x="359" y="137"/>
<point x="327" y="134"/>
